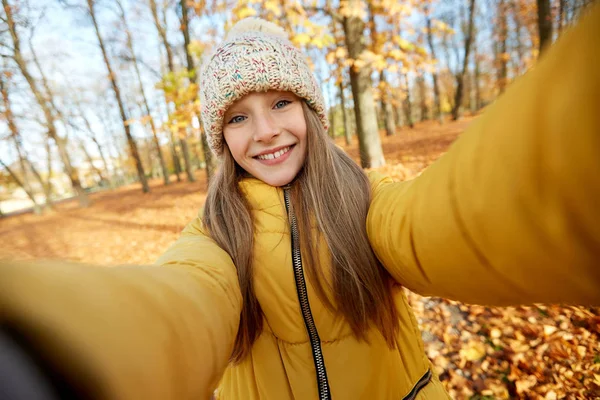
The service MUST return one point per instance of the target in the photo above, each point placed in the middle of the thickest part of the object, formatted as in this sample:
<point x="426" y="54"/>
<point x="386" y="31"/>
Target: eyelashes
<point x="278" y="106"/>
<point x="236" y="119"/>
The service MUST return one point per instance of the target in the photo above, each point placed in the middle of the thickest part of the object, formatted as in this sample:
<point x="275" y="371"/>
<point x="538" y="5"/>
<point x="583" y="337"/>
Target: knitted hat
<point x="256" y="56"/>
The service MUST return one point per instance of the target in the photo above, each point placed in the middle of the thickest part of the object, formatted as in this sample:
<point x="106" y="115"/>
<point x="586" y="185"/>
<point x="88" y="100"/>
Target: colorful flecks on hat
<point x="255" y="56"/>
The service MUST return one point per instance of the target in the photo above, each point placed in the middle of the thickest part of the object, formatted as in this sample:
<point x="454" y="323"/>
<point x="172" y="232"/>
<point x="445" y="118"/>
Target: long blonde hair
<point x="335" y="192"/>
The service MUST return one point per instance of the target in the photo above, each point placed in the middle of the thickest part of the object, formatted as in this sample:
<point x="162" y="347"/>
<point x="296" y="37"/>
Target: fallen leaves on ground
<point x="538" y="352"/>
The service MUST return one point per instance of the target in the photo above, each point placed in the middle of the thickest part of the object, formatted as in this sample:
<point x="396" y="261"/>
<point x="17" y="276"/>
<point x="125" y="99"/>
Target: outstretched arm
<point x="511" y="213"/>
<point x="156" y="332"/>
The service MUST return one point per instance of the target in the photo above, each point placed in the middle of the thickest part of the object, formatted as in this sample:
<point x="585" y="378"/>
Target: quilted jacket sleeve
<point x="162" y="331"/>
<point x="511" y="213"/>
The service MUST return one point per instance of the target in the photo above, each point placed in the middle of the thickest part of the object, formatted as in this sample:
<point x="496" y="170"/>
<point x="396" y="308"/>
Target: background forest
<point x="103" y="157"/>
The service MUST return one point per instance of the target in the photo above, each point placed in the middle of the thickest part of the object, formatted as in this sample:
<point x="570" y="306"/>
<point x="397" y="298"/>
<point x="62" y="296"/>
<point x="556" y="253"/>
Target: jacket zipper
<point x="421" y="383"/>
<point x="311" y="328"/>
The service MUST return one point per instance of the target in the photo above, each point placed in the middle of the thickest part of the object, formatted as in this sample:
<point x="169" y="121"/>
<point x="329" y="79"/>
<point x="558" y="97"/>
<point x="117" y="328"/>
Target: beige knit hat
<point x="256" y="56"/>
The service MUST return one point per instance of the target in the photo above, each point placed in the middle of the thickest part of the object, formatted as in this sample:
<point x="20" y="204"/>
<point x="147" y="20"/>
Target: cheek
<point x="236" y="146"/>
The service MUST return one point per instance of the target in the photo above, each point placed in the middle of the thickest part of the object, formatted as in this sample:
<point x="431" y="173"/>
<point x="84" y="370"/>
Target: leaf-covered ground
<point x="543" y="352"/>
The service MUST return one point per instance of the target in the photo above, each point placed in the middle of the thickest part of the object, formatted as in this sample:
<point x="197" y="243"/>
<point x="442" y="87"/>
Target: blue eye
<point x="236" y="119"/>
<point x="282" y="103"/>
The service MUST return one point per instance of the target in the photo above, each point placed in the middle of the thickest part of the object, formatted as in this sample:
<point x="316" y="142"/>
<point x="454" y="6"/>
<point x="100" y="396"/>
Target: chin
<point x="277" y="180"/>
<point x="273" y="181"/>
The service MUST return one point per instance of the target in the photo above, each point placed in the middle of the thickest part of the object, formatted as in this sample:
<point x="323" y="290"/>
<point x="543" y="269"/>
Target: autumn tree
<point x="371" y="153"/>
<point x="336" y="57"/>
<point x="84" y="126"/>
<point x="193" y="78"/>
<point x="544" y="13"/>
<point x="376" y="47"/>
<point x="7" y="115"/>
<point x="160" y="23"/>
<point x="44" y="102"/>
<point x="112" y="77"/>
<point x="460" y="79"/>
<point x="501" y="51"/>
<point x="434" y="74"/>
<point x="147" y="118"/>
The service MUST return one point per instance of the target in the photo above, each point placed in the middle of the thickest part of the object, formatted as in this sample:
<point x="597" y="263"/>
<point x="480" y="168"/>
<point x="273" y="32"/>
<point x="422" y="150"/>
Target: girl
<point x="289" y="284"/>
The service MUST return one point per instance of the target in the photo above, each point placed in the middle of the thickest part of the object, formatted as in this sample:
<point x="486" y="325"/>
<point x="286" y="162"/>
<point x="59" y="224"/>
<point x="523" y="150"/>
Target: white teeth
<point x="272" y="156"/>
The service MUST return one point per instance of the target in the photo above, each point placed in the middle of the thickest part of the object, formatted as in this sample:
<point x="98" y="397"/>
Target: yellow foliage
<point x="323" y="41"/>
<point x="245" y="12"/>
<point x="397" y="54"/>
<point x="196" y="48"/>
<point x="349" y="11"/>
<point x="330" y="57"/>
<point x="358" y="64"/>
<point x="421" y="51"/>
<point x="272" y="6"/>
<point x="341" y="52"/>
<point x="473" y="351"/>
<point x="301" y="39"/>
<point x="403" y="43"/>
<point x="380" y="64"/>
<point x="504" y="57"/>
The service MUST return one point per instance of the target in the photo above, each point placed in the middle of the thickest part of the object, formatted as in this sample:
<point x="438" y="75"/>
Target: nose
<point x="265" y="127"/>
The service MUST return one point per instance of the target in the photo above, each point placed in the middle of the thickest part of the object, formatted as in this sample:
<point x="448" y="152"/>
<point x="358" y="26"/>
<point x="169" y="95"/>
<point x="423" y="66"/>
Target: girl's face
<point x="266" y="134"/>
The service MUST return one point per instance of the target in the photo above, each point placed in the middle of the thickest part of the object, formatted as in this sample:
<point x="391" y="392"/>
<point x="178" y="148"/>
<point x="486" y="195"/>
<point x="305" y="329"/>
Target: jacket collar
<point x="261" y="196"/>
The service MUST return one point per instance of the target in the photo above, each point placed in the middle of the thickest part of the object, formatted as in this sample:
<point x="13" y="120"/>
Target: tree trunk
<point x="91" y="135"/>
<point x="197" y="150"/>
<point x="341" y="95"/>
<point x="477" y="77"/>
<point x="502" y="39"/>
<point x="48" y="187"/>
<point x="371" y="153"/>
<point x="347" y="132"/>
<point x="24" y="182"/>
<point x="162" y="32"/>
<point x="185" y="150"/>
<point x="434" y="75"/>
<point x="104" y="163"/>
<point x="136" y="67"/>
<point x="175" y="155"/>
<point x="24" y="185"/>
<point x="48" y="116"/>
<point x="460" y="77"/>
<point x="561" y="13"/>
<point x="379" y="108"/>
<point x="386" y="106"/>
<point x="332" y="122"/>
<point x="113" y="81"/>
<point x="407" y="102"/>
<point x="89" y="159"/>
<point x="544" y="13"/>
<point x="211" y="162"/>
<point x="519" y="42"/>
<point x="331" y="113"/>
<point x="48" y="201"/>
<point x="43" y="79"/>
<point x="16" y="137"/>
<point x="423" y="97"/>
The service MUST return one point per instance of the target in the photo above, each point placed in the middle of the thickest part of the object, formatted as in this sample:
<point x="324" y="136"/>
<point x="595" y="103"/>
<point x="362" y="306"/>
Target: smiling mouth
<point x="274" y="155"/>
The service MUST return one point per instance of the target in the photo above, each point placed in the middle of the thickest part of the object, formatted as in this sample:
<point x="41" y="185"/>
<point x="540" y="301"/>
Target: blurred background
<point x="103" y="157"/>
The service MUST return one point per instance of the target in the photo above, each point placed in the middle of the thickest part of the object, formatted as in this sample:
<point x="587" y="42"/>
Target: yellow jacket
<point x="510" y="215"/>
